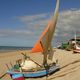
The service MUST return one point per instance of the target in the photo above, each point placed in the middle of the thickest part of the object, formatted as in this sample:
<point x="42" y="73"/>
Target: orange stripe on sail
<point x="38" y="47"/>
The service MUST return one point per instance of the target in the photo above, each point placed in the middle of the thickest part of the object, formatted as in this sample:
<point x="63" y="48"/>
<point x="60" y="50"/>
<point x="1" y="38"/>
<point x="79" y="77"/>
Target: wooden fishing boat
<point x="44" y="46"/>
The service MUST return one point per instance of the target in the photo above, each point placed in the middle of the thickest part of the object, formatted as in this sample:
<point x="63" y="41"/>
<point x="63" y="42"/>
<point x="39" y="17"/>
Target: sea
<point x="12" y="48"/>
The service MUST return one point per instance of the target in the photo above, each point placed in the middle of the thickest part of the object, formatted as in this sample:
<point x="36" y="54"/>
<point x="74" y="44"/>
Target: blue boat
<point x="40" y="73"/>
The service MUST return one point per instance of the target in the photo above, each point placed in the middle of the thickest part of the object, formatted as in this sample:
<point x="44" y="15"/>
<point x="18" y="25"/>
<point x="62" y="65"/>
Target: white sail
<point x="47" y="38"/>
<point x="49" y="30"/>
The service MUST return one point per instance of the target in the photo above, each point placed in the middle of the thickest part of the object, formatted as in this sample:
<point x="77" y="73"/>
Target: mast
<point x="75" y="38"/>
<point x="47" y="38"/>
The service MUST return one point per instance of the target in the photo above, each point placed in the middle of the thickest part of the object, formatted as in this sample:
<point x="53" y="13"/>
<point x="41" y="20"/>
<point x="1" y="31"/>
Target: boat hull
<point x="40" y="73"/>
<point x="76" y="51"/>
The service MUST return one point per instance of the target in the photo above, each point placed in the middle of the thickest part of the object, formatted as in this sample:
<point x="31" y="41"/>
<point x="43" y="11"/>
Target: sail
<point x="47" y="34"/>
<point x="38" y="47"/>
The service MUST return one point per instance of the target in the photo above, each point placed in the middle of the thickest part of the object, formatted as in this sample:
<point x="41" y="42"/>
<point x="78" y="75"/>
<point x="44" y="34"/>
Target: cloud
<point x="68" y="23"/>
<point x="35" y="23"/>
<point x="14" y="33"/>
<point x="30" y="18"/>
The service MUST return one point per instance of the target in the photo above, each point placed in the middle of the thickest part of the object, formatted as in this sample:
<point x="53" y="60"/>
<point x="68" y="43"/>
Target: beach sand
<point x="67" y="60"/>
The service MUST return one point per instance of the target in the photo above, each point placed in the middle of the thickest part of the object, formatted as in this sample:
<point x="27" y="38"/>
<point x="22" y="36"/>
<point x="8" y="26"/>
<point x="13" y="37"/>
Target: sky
<point x="22" y="21"/>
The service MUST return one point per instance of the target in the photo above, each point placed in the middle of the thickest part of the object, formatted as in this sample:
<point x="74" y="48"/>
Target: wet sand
<point x="68" y="62"/>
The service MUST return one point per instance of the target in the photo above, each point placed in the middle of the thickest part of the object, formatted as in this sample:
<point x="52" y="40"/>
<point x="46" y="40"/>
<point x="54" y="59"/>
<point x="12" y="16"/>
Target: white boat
<point x="76" y="48"/>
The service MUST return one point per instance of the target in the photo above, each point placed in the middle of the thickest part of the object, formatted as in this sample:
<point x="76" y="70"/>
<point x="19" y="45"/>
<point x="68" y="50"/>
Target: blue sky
<point x="22" y="21"/>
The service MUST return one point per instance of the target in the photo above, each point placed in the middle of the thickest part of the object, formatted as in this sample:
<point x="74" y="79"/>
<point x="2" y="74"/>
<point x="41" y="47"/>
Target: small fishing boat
<point x="35" y="74"/>
<point x="76" y="48"/>
<point x="20" y="70"/>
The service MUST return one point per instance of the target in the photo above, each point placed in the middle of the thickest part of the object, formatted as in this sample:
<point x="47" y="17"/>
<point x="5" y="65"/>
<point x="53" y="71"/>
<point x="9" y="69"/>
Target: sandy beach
<point x="68" y="62"/>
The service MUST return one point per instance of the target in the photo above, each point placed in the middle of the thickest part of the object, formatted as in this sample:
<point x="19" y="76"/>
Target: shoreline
<point x="6" y="51"/>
